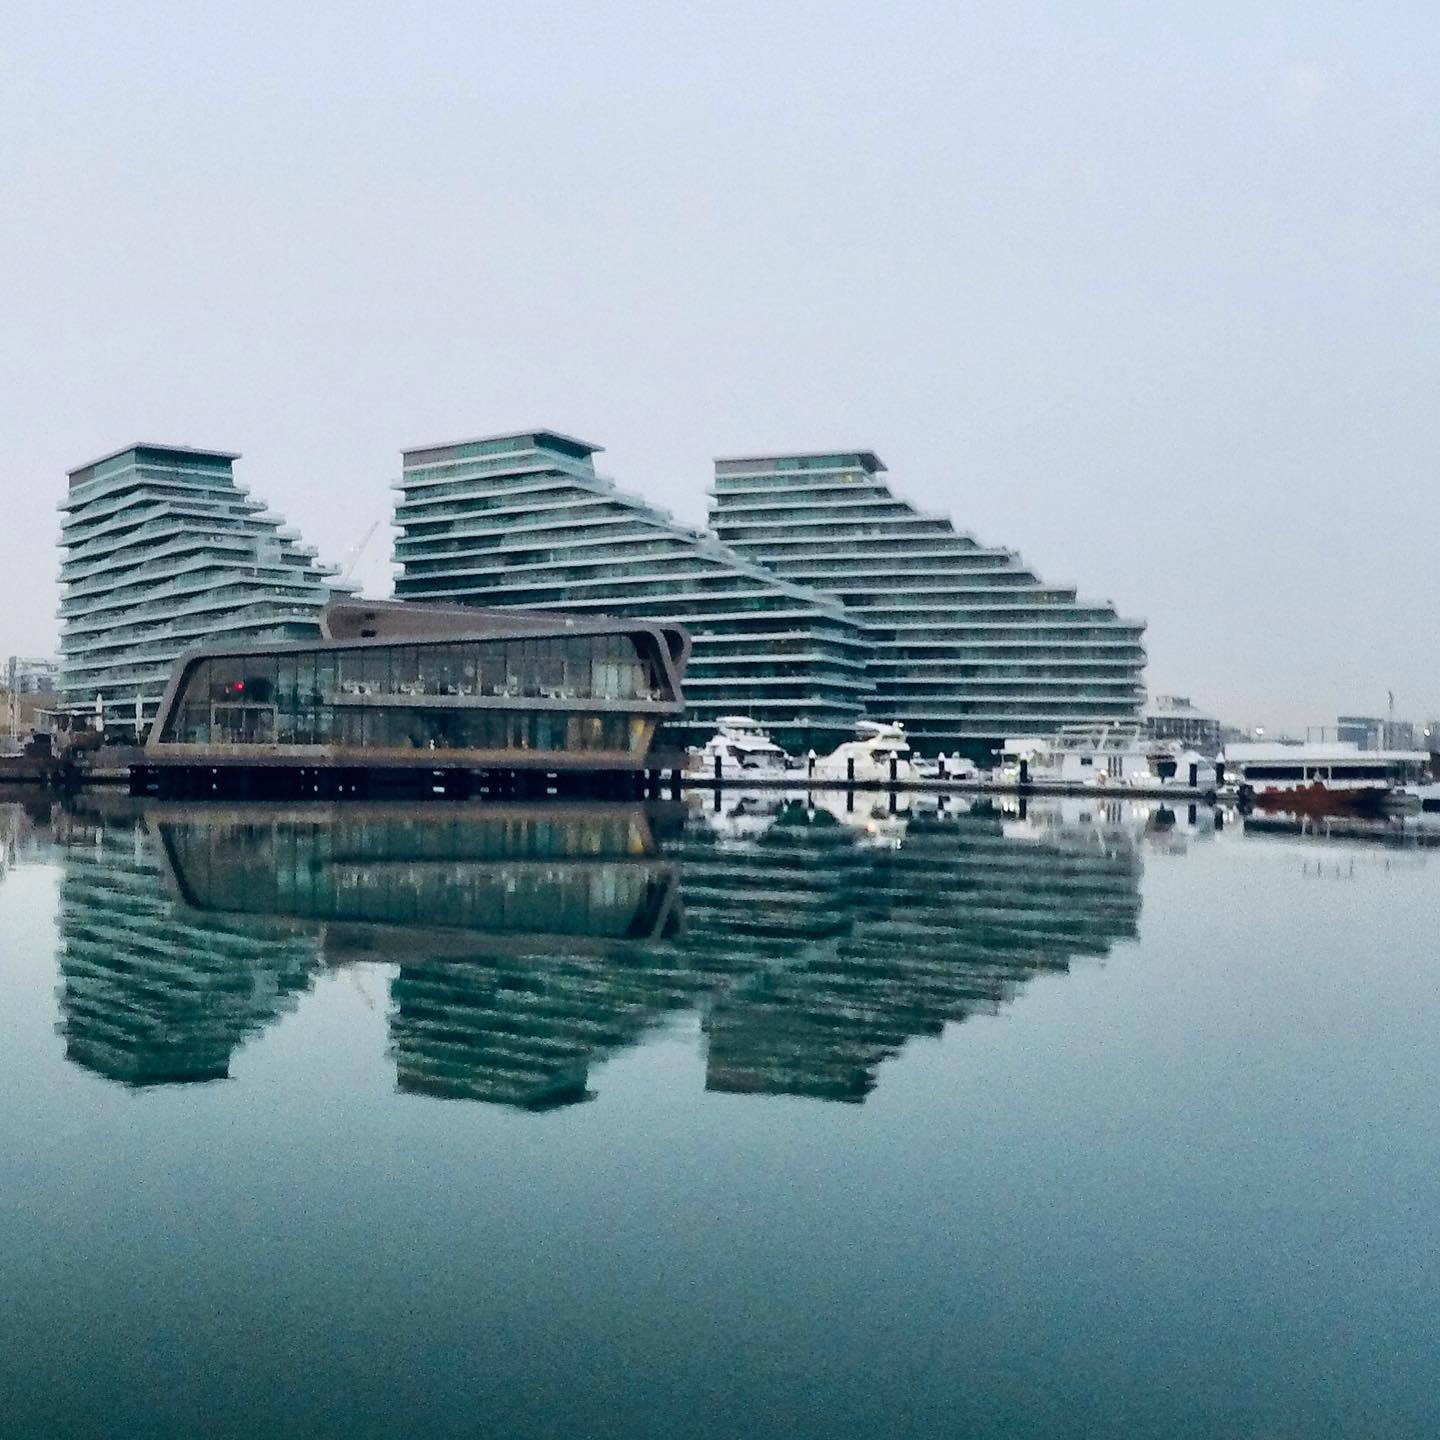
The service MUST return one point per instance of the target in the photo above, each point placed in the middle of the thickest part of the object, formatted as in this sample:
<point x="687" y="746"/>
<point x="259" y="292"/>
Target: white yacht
<point x="740" y="744"/>
<point x="1174" y="764"/>
<point x="1115" y="754"/>
<point x="955" y="767"/>
<point x="879" y="752"/>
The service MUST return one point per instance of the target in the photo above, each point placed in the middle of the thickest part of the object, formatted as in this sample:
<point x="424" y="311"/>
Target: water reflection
<point x="1185" y="1194"/>
<point x="894" y="920"/>
<point x="1407" y="831"/>
<point x="815" y="936"/>
<point x="153" y="992"/>
<point x="24" y="826"/>
<point x="553" y="870"/>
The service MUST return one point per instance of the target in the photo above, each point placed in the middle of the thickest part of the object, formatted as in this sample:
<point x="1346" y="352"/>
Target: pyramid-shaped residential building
<point x="164" y="550"/>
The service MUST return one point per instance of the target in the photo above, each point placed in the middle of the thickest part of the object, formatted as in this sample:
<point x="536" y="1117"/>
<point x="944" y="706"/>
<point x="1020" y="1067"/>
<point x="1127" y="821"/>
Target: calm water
<point x="772" y="1122"/>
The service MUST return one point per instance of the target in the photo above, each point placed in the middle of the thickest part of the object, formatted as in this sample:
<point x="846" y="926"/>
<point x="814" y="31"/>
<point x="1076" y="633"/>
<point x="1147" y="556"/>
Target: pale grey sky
<point x="1147" y="293"/>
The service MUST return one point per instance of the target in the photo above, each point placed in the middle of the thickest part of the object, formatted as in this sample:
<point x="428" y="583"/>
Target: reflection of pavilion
<point x="538" y="871"/>
<point x="531" y="941"/>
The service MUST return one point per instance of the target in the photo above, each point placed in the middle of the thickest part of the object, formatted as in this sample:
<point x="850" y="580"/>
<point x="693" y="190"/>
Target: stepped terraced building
<point x="525" y="520"/>
<point x="818" y="598"/>
<point x="164" y="550"/>
<point x="968" y="645"/>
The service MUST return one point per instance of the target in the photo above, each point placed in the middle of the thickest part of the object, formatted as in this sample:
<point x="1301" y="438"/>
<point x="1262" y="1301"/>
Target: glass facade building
<point x="555" y="696"/>
<point x="969" y="646"/>
<point x="163" y="550"/>
<point x="525" y="520"/>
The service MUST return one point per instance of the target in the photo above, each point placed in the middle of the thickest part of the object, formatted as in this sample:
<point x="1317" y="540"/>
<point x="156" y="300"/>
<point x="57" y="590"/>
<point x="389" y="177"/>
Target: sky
<point x="1147" y="293"/>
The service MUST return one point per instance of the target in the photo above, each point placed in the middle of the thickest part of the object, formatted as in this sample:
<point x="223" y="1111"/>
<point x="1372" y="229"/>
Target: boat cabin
<point x="1114" y="754"/>
<point x="879" y="752"/>
<point x="1336" y="767"/>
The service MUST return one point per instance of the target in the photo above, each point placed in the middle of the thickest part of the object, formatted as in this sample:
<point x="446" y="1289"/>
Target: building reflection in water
<point x="815" y="937"/>
<point x="893" y="925"/>
<point x="24" y="826"/>
<point x="530" y="939"/>
<point x="152" y="992"/>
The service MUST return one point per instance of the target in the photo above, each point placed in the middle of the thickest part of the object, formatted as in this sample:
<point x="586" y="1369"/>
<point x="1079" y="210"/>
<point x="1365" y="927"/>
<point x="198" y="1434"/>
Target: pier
<point x="256" y="780"/>
<point x="929" y="785"/>
<point x="722" y="777"/>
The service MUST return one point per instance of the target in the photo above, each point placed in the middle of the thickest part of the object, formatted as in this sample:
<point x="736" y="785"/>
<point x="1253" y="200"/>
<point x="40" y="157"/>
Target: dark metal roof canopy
<point x="359" y="619"/>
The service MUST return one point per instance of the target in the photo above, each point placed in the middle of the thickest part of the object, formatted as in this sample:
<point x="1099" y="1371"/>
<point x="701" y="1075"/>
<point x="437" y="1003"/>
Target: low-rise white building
<point x="1173" y="717"/>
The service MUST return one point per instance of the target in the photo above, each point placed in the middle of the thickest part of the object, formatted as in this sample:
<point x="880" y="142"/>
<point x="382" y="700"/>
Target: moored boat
<point x="955" y="767"/>
<point x="740" y="743"/>
<point x="1099" y="755"/>
<point x="1173" y="764"/>
<point x="1321" y="777"/>
<point x="880" y="752"/>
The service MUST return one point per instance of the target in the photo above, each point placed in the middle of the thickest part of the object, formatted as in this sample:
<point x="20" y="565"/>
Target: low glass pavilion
<point x="396" y="688"/>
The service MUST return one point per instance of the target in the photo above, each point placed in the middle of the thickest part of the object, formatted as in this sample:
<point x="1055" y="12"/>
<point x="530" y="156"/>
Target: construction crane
<point x="352" y="558"/>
